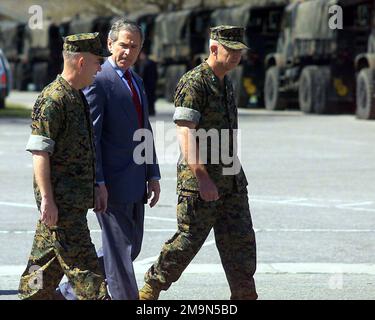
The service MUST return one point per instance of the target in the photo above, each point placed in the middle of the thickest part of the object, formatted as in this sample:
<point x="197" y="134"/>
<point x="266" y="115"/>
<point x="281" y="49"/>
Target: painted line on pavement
<point x="306" y="230"/>
<point x="91" y="231"/>
<point x="301" y="202"/>
<point x="262" y="268"/>
<point x="14" y="204"/>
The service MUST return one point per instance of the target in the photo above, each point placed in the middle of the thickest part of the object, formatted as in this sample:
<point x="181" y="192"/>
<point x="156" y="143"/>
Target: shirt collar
<point x="74" y="93"/>
<point x="116" y="68"/>
<point x="215" y="81"/>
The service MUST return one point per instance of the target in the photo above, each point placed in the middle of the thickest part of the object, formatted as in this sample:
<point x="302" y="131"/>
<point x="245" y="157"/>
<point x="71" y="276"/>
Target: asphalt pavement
<point x="311" y="189"/>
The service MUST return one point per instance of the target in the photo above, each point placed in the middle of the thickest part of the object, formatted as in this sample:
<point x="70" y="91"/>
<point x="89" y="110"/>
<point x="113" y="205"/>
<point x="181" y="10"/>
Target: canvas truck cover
<point x="40" y="37"/>
<point x="81" y="24"/>
<point x="240" y="15"/>
<point x="169" y="30"/>
<point x="11" y="39"/>
<point x="312" y="20"/>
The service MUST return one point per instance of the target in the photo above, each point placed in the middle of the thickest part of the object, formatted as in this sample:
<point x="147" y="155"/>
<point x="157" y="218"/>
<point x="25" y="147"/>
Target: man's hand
<point x="49" y="212"/>
<point x="101" y="198"/>
<point x="153" y="186"/>
<point x="207" y="189"/>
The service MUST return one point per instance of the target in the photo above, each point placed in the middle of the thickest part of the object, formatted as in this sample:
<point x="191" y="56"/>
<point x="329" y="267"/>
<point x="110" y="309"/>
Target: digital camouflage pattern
<point x="229" y="36"/>
<point x="85" y="42"/>
<point x="234" y="236"/>
<point x="62" y="114"/>
<point x="200" y="90"/>
<point x="61" y="124"/>
<point x="64" y="249"/>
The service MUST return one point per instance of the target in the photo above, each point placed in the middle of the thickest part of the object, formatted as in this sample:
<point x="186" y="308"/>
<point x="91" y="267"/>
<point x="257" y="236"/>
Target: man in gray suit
<point x="118" y="106"/>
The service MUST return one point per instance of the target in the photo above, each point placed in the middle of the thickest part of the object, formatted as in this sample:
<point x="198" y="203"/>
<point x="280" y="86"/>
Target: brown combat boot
<point x="149" y="293"/>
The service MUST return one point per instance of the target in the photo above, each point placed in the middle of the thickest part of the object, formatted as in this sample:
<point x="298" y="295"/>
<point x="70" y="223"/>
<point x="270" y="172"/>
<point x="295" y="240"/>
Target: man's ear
<point x="214" y="49"/>
<point x="109" y="45"/>
<point x="81" y="61"/>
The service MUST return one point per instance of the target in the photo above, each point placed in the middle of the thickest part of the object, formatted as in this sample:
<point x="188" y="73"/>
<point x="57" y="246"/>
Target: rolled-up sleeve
<point x="40" y="143"/>
<point x="188" y="100"/>
<point x="187" y="114"/>
<point x="47" y="118"/>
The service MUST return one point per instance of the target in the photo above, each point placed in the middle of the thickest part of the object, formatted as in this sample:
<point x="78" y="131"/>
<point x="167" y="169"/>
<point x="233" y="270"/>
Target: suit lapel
<point x="123" y="96"/>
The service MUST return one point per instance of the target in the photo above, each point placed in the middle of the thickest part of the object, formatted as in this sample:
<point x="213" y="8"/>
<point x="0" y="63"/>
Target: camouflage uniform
<point x="61" y="126"/>
<point x="201" y="98"/>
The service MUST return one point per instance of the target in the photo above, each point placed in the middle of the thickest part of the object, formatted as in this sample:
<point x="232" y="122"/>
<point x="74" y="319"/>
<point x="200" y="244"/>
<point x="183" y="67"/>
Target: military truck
<point x="12" y="42"/>
<point x="262" y="20"/>
<point x="90" y="23"/>
<point x="44" y="55"/>
<point x="44" y="58"/>
<point x="365" y="76"/>
<point x="147" y="22"/>
<point x="313" y="63"/>
<point x="5" y="79"/>
<point x="179" y="43"/>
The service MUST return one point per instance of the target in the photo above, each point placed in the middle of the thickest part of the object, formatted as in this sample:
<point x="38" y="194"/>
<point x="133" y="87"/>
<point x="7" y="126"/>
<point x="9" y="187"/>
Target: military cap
<point x="229" y="36"/>
<point x="85" y="42"/>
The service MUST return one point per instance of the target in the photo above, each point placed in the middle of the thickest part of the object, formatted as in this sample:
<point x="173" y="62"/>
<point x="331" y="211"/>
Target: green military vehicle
<point x="179" y="44"/>
<point x="12" y="42"/>
<point x="44" y="58"/>
<point x="90" y="23"/>
<point x="365" y="74"/>
<point x="262" y="20"/>
<point x="147" y="22"/>
<point x="314" y="60"/>
<point x="33" y="54"/>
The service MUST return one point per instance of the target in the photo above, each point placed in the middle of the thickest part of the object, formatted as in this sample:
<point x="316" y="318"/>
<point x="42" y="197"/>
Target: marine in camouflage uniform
<point x="201" y="98"/>
<point x="61" y="125"/>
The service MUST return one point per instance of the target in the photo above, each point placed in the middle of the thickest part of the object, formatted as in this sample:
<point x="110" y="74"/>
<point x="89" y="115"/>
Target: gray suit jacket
<point x="115" y="120"/>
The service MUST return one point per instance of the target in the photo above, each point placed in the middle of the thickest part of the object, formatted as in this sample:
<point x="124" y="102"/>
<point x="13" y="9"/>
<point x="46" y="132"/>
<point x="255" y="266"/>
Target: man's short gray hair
<point x="127" y="25"/>
<point x="70" y="57"/>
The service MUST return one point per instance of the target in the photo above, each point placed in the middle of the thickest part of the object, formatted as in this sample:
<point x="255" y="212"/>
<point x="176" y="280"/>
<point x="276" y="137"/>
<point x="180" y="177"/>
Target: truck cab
<point x="314" y="61"/>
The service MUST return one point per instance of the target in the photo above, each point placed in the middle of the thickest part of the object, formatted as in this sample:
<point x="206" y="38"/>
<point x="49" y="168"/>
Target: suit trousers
<point x="122" y="235"/>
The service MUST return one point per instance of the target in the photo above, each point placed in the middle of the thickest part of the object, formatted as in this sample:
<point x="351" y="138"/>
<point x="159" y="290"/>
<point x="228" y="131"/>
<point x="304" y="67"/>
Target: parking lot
<point x="311" y="188"/>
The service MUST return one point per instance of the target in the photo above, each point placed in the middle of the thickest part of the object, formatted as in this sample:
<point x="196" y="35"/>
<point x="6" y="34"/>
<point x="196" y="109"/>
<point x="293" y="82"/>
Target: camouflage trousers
<point x="64" y="249"/>
<point x="234" y="236"/>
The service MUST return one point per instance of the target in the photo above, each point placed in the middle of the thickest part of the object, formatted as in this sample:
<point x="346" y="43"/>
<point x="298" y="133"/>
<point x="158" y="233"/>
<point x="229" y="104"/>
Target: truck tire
<point x="323" y="105"/>
<point x="272" y="97"/>
<point x="313" y="90"/>
<point x="365" y="95"/>
<point x="306" y="95"/>
<point x="173" y="75"/>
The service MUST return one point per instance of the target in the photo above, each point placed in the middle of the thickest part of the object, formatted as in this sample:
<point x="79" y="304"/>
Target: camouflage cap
<point x="85" y="42"/>
<point x="229" y="36"/>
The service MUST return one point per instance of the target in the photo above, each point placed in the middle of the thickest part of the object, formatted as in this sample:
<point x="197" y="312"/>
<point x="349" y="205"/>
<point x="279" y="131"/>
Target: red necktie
<point x="135" y="97"/>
